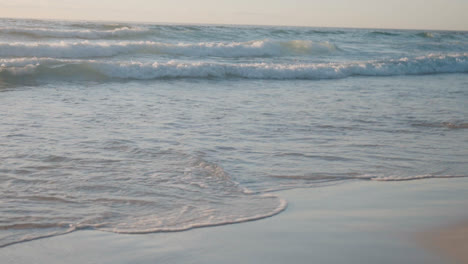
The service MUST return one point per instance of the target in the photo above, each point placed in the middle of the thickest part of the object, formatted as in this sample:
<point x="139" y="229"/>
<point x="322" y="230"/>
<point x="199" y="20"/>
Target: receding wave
<point x="411" y="178"/>
<point x="282" y="204"/>
<point x="353" y="176"/>
<point x="38" y="68"/>
<point x="87" y="49"/>
<point x="73" y="33"/>
<point x="185" y="192"/>
<point x="451" y="125"/>
<point x="32" y="231"/>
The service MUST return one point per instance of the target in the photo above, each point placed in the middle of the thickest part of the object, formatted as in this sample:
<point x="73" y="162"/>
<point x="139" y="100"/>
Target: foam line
<point x="92" y="69"/>
<point x="87" y="49"/>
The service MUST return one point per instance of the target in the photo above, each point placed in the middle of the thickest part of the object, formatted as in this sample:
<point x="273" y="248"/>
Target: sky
<point x="404" y="14"/>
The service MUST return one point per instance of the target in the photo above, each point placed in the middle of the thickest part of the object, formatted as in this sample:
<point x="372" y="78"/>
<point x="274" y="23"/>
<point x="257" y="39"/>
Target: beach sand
<point x="451" y="241"/>
<point x="350" y="222"/>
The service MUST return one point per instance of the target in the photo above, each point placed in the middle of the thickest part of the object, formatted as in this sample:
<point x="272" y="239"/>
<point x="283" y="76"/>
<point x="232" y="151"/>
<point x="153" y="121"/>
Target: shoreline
<point x="353" y="222"/>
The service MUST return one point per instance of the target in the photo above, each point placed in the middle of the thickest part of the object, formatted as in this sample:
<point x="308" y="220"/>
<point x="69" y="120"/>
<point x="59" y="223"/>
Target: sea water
<point x="137" y="128"/>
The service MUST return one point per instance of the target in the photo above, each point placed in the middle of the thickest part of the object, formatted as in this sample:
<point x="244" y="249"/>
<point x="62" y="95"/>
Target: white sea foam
<point x="49" y="67"/>
<point x="140" y="225"/>
<point x="186" y="192"/>
<point x="136" y="228"/>
<point x="73" y="33"/>
<point x="87" y="49"/>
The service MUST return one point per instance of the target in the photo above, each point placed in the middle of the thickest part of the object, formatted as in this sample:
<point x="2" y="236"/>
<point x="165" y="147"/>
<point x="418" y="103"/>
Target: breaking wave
<point x="425" y="35"/>
<point x="86" y="49"/>
<point x="38" y="68"/>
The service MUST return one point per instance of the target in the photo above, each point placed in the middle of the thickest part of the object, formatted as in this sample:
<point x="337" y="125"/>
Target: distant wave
<point x="295" y="32"/>
<point x="100" y="70"/>
<point x="383" y="33"/>
<point x="425" y="35"/>
<point x="93" y="25"/>
<point x="73" y="33"/>
<point x="326" y="32"/>
<point x="394" y="34"/>
<point x="86" y="49"/>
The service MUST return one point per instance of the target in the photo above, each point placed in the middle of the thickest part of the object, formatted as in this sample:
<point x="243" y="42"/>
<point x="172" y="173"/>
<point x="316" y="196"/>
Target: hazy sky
<point x="418" y="14"/>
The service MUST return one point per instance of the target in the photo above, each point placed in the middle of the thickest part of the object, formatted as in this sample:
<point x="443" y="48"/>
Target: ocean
<point x="140" y="128"/>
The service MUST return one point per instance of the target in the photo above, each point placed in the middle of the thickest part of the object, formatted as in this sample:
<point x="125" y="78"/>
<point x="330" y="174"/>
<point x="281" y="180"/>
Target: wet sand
<point x="450" y="241"/>
<point x="352" y="222"/>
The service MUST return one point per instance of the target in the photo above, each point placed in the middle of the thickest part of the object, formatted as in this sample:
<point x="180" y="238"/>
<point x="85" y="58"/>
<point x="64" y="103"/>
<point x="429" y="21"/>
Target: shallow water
<point x="147" y="128"/>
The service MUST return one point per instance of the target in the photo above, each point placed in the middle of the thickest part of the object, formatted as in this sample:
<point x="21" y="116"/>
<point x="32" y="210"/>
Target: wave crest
<point x="425" y="35"/>
<point x="87" y="49"/>
<point x="38" y="68"/>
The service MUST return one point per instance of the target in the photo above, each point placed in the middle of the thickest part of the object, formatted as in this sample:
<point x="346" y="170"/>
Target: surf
<point x="87" y="49"/>
<point x="51" y="68"/>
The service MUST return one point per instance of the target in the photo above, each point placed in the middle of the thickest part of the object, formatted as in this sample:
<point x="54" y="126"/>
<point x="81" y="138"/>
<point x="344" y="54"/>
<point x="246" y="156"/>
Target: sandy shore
<point x="352" y="222"/>
<point x="450" y="241"/>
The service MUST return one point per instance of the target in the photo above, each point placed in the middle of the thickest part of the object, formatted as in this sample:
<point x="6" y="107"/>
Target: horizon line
<point x="221" y="24"/>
